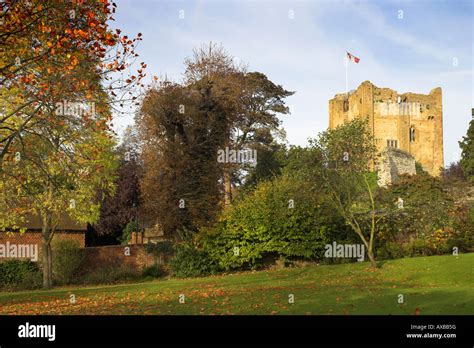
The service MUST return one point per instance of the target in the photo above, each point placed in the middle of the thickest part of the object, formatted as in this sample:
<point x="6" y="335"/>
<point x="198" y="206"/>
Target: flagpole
<point x="346" y="63"/>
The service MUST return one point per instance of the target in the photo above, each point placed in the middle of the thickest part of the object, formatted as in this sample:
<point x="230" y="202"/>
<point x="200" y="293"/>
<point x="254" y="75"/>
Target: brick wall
<point x="133" y="256"/>
<point x="34" y="238"/>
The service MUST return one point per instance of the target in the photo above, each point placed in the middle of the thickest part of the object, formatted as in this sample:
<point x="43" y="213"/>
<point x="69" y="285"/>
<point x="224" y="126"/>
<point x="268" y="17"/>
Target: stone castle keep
<point x="409" y="122"/>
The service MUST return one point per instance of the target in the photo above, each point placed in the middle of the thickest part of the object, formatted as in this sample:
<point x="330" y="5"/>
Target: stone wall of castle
<point x="393" y="163"/>
<point x="410" y="122"/>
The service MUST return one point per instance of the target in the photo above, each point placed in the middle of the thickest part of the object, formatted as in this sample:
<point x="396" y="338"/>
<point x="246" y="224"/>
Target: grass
<point x="434" y="285"/>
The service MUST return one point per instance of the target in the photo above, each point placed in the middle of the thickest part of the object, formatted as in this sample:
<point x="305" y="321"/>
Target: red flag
<point x="353" y="58"/>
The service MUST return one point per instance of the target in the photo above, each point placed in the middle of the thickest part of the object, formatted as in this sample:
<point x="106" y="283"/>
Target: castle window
<point x="412" y="134"/>
<point x="392" y="143"/>
<point x="399" y="99"/>
<point x="346" y="105"/>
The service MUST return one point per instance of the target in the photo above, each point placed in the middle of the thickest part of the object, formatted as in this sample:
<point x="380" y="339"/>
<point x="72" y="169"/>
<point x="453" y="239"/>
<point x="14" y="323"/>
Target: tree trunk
<point x="227" y="189"/>
<point x="370" y="254"/>
<point x="46" y="249"/>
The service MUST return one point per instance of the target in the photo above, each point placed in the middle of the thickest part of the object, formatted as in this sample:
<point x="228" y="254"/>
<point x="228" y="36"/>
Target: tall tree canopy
<point x="218" y="105"/>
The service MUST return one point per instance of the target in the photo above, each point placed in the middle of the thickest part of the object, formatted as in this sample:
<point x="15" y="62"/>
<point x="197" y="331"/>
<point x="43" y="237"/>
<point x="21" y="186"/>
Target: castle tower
<point x="410" y="122"/>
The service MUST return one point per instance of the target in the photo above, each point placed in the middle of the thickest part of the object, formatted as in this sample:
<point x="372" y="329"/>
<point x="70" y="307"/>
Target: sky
<point x="408" y="46"/>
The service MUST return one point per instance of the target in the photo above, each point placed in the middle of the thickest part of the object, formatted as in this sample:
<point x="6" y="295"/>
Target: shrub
<point x="435" y="219"/>
<point x="155" y="271"/>
<point x="110" y="275"/>
<point x="285" y="217"/>
<point x="191" y="262"/>
<point x="463" y="229"/>
<point x="419" y="247"/>
<point x="391" y="250"/>
<point x="66" y="260"/>
<point x="21" y="275"/>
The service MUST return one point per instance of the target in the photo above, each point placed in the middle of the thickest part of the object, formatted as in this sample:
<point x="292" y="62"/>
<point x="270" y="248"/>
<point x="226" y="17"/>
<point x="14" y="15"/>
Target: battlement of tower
<point x="388" y="102"/>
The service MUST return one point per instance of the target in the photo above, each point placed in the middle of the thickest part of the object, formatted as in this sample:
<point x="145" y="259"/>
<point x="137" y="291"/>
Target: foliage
<point x="67" y="259"/>
<point x="419" y="168"/>
<point x="454" y="172"/>
<point x="188" y="261"/>
<point x="54" y="51"/>
<point x="155" y="271"/>
<point x="346" y="154"/>
<point x="16" y="274"/>
<point x="419" y="247"/>
<point x="269" y="165"/>
<point x="467" y="152"/>
<point x="184" y="126"/>
<point x="180" y="184"/>
<point x="131" y="227"/>
<point x="284" y="217"/>
<point x="109" y="275"/>
<point x="431" y="221"/>
<point x="259" y="101"/>
<point x="426" y="206"/>
<point x="462" y="236"/>
<point x="391" y="250"/>
<point x="278" y="159"/>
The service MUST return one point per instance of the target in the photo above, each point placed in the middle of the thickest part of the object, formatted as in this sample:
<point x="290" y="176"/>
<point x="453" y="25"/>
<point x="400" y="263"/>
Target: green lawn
<point x="435" y="285"/>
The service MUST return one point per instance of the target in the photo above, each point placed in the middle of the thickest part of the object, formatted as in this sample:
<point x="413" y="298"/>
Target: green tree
<point x="56" y="172"/>
<point x="346" y="155"/>
<point x="259" y="102"/>
<point x="467" y="155"/>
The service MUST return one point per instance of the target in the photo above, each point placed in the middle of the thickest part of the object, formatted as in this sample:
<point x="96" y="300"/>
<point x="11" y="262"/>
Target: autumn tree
<point x="50" y="49"/>
<point x="182" y="128"/>
<point x="218" y="105"/>
<point x="61" y="74"/>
